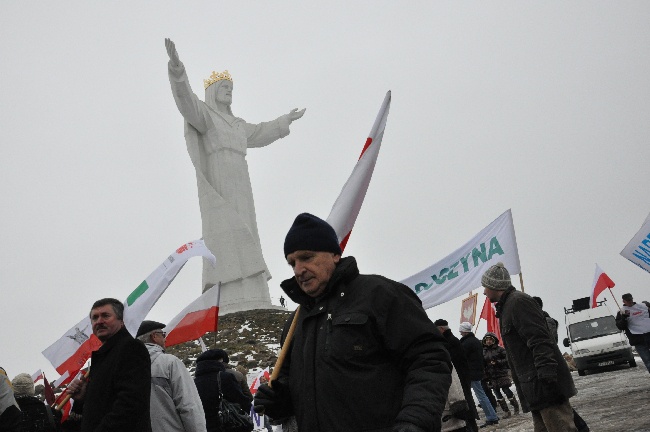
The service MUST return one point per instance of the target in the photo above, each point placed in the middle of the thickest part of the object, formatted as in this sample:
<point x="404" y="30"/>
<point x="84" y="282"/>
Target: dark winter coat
<point x="533" y="356"/>
<point x="119" y="386"/>
<point x="474" y="354"/>
<point x="36" y="416"/>
<point x="205" y="378"/>
<point x="497" y="371"/>
<point x="364" y="356"/>
<point x="459" y="361"/>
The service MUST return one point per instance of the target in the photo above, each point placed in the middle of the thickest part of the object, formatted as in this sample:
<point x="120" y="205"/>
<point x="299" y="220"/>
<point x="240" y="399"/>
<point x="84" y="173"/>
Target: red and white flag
<point x="347" y="206"/>
<point x="73" y="349"/>
<point x="38" y="375"/>
<point x="600" y="284"/>
<point x="200" y="317"/>
<point x="488" y="313"/>
<point x="257" y="381"/>
<point x="48" y="391"/>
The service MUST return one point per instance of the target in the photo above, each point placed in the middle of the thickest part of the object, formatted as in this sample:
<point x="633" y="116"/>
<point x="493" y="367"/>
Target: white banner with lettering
<point x="638" y="249"/>
<point x="461" y="271"/>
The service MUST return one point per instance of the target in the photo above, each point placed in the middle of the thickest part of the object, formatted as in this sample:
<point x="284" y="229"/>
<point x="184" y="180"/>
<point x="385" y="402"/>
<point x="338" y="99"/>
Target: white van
<point x="593" y="337"/>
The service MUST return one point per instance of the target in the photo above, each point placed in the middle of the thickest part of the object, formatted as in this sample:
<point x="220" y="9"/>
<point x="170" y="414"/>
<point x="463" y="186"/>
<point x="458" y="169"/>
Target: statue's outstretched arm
<point x="187" y="102"/>
<point x="174" y="60"/>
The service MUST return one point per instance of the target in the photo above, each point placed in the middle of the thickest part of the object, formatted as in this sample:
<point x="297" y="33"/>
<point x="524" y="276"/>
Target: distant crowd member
<point x="116" y="397"/>
<point x="240" y="376"/>
<point x="541" y="375"/>
<point x="10" y="415"/>
<point x="36" y="416"/>
<point x="474" y="354"/>
<point x="210" y="368"/>
<point x="175" y="403"/>
<point x="459" y="361"/>
<point x="364" y="355"/>
<point x="634" y="318"/>
<point x="497" y="373"/>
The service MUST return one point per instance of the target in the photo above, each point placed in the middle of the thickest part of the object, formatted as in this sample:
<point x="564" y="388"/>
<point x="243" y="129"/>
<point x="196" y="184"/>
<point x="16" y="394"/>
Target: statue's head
<point x="218" y="91"/>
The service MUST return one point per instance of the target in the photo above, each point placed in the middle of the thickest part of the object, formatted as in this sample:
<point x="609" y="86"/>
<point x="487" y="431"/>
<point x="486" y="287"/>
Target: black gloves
<point x="274" y="402"/>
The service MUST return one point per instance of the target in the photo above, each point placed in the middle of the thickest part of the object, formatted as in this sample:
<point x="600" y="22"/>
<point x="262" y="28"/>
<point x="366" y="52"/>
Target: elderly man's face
<point x="313" y="270"/>
<point x="493" y="295"/>
<point x="104" y="321"/>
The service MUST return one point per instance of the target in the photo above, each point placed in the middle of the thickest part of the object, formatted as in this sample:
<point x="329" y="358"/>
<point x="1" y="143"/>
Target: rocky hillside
<point x="251" y="339"/>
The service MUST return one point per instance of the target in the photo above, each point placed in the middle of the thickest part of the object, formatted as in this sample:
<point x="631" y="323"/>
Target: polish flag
<point x="256" y="382"/>
<point x="36" y="376"/>
<point x="601" y="282"/>
<point x="48" y="392"/>
<point x="200" y="317"/>
<point x="73" y="349"/>
<point x="347" y="206"/>
<point x="66" y="408"/>
<point x="488" y="313"/>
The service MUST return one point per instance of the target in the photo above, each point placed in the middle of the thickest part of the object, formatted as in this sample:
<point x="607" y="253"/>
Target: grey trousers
<point x="556" y="418"/>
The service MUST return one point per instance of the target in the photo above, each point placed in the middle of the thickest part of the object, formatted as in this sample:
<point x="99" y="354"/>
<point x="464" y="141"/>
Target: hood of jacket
<point x="154" y="351"/>
<point x="493" y="336"/>
<point x="206" y="367"/>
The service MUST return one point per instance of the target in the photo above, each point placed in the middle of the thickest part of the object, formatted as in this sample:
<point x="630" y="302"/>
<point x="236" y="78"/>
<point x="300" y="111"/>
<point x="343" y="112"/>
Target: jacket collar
<point x="113" y="340"/>
<point x="345" y="270"/>
<point x="502" y="301"/>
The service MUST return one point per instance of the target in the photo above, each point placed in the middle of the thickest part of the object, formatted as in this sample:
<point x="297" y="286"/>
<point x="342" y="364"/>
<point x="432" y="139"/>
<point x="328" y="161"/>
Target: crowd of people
<point x="359" y="353"/>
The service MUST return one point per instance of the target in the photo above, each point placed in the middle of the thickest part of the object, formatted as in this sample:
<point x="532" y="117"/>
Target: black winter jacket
<point x="205" y="378"/>
<point x="533" y="355"/>
<point x="497" y="370"/>
<point x="474" y="354"/>
<point x="364" y="356"/>
<point x="117" y="396"/>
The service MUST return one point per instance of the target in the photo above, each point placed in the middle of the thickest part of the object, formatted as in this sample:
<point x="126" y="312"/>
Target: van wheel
<point x="581" y="372"/>
<point x="632" y="363"/>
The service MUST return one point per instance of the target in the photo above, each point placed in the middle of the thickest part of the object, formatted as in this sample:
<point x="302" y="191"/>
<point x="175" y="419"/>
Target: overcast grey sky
<point x="538" y="107"/>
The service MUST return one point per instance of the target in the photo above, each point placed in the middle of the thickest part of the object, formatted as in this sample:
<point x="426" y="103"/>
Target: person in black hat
<point x="364" y="355"/>
<point x="210" y="368"/>
<point x="175" y="402"/>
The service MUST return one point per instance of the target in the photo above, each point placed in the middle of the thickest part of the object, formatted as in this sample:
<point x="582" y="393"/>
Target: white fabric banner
<point x="461" y="271"/>
<point x="638" y="249"/>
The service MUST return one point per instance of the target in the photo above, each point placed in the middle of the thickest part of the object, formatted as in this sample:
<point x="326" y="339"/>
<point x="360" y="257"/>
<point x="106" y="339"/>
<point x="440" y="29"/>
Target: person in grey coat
<point x="175" y="402"/>
<point x="540" y="373"/>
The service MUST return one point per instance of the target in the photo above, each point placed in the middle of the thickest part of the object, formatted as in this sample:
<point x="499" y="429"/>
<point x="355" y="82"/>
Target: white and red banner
<point x="198" y="318"/>
<point x="638" y="249"/>
<point x="347" y="206"/>
<point x="73" y="349"/>
<point x="38" y="375"/>
<point x="600" y="284"/>
<point x="257" y="381"/>
<point x="461" y="271"/>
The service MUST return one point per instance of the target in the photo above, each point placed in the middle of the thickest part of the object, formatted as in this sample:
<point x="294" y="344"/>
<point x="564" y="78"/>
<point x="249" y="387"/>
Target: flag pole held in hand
<point x="285" y="348"/>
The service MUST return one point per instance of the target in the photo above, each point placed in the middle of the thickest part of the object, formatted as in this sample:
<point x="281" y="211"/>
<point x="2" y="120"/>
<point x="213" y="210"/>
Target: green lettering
<point x="452" y="274"/>
<point x="463" y="261"/>
<point x="476" y="254"/>
<point x="495" y="248"/>
<point x="440" y="279"/>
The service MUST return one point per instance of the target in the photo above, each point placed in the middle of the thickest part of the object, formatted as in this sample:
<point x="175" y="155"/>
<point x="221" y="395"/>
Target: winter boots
<point x="504" y="407"/>
<point x="515" y="404"/>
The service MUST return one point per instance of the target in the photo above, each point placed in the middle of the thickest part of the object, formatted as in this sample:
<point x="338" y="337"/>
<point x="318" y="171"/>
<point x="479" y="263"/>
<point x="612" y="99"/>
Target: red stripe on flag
<point x="365" y="147"/>
<point x="77" y="360"/>
<point x="601" y="285"/>
<point x="345" y="241"/>
<point x="193" y="326"/>
<point x="487" y="313"/>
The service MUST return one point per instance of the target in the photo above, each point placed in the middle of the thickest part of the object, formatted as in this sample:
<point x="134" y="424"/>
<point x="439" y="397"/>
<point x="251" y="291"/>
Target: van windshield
<point x="593" y="328"/>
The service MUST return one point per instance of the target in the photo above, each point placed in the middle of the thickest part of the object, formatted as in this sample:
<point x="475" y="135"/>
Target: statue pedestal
<point x="245" y="294"/>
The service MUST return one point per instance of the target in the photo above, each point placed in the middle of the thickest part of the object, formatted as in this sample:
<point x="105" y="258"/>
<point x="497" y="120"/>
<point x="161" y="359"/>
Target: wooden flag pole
<point x="68" y="396"/>
<point x="521" y="281"/>
<point x="285" y="348"/>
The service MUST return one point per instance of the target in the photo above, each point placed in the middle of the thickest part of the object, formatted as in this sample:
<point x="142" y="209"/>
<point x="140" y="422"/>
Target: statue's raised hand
<point x="174" y="60"/>
<point x="295" y="114"/>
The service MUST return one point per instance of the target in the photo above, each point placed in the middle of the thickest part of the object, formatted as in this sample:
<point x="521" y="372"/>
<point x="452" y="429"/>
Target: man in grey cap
<point x="364" y="355"/>
<point x="175" y="403"/>
<point x="540" y="373"/>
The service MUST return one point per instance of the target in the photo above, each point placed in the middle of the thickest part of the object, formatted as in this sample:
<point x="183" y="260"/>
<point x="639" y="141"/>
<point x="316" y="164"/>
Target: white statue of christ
<point x="217" y="142"/>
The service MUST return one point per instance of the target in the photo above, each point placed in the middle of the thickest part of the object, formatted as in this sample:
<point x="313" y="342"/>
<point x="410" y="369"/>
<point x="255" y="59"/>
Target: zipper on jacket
<point x="328" y="332"/>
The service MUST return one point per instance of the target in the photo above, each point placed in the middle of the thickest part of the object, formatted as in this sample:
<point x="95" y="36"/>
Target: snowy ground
<point x="613" y="400"/>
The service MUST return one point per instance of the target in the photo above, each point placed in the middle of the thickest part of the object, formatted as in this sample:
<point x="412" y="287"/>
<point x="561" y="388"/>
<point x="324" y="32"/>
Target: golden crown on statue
<point x="215" y="77"/>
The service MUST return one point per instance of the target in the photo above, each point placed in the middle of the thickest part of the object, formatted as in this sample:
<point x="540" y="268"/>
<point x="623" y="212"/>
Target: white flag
<point x="461" y="271"/>
<point x="347" y="206"/>
<point x="638" y="249"/>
